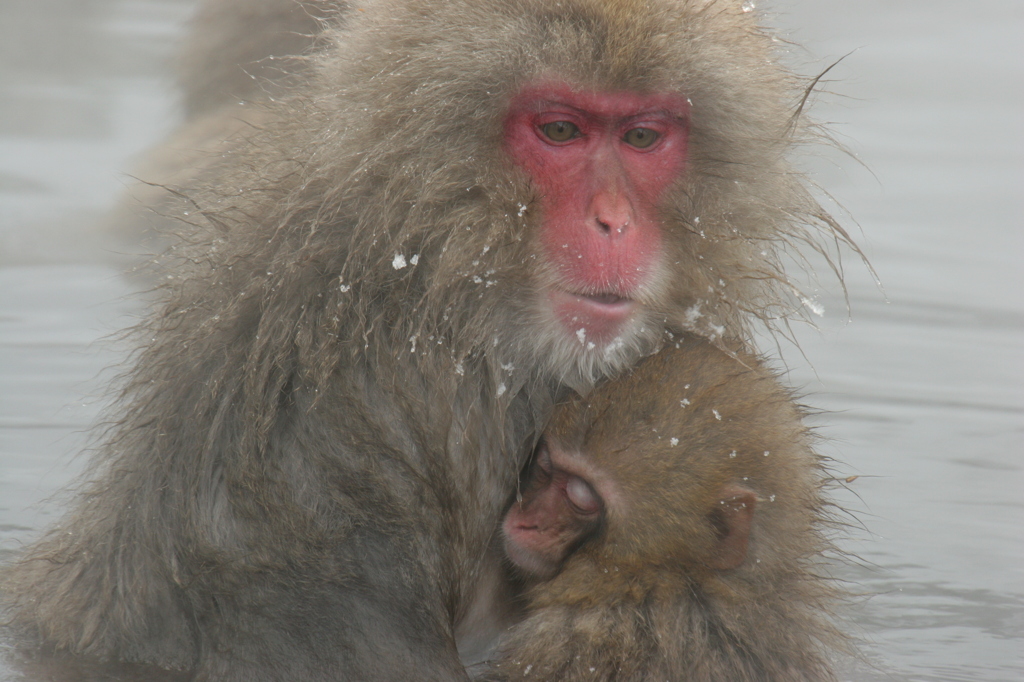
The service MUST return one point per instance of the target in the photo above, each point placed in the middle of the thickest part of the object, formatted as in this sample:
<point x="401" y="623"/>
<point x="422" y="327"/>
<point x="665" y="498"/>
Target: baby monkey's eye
<point x="560" y="131"/>
<point x="640" y="137"/>
<point x="581" y="496"/>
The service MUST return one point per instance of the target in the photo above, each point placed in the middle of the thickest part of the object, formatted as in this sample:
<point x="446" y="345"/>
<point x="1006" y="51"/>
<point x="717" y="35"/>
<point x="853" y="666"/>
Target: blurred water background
<point x="923" y="383"/>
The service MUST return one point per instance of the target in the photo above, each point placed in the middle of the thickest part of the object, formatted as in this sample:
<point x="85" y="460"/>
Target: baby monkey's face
<point x="654" y="501"/>
<point x="558" y="509"/>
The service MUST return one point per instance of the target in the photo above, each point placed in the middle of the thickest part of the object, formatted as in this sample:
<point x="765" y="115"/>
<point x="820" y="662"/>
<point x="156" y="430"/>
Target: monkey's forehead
<point x="623" y="44"/>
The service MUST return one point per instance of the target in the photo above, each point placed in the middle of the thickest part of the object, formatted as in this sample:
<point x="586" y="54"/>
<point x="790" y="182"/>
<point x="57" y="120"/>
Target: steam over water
<point x="923" y="385"/>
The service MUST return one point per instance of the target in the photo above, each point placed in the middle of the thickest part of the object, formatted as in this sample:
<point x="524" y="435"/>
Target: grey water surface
<point x="922" y="384"/>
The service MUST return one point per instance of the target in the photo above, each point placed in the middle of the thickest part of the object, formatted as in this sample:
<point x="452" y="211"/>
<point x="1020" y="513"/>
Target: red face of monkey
<point x="600" y="162"/>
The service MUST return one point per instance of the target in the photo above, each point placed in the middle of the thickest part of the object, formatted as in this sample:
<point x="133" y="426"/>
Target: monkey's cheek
<point x="593" y="322"/>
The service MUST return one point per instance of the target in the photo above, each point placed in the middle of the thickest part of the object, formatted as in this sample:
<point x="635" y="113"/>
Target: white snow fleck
<point x="581" y="334"/>
<point x="732" y="455"/>
<point x="684" y="402"/>
<point x="501" y="389"/>
<point x="815" y="307"/>
<point x="398" y="262"/>
<point x="717" y="416"/>
<point x="415" y="259"/>
<point x="673" y="442"/>
<point x="616" y="344"/>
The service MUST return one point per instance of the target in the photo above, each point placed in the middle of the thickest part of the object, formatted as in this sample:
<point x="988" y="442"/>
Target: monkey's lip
<point x="609" y="300"/>
<point x="605" y="299"/>
<point x="596" y="317"/>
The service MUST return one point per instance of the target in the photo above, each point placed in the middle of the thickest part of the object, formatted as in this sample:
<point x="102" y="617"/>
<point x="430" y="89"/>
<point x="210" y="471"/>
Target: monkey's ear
<point x="732" y="517"/>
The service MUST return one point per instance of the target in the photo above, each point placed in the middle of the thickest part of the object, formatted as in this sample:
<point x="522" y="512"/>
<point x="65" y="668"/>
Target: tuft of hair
<point x="247" y="50"/>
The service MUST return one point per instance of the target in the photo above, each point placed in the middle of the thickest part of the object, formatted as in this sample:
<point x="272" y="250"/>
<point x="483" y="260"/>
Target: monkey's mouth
<point x="605" y="299"/>
<point x="594" y="318"/>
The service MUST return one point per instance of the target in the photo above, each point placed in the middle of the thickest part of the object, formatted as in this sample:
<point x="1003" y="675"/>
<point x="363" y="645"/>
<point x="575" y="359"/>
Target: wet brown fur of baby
<point x="708" y="563"/>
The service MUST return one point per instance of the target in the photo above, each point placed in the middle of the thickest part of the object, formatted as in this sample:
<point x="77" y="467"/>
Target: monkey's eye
<point x="560" y="131"/>
<point x="640" y="138"/>
<point x="581" y="496"/>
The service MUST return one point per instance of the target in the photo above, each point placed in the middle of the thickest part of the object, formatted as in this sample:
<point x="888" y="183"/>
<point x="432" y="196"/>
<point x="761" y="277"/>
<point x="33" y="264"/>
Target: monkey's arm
<point x="316" y="557"/>
<point x="358" y="585"/>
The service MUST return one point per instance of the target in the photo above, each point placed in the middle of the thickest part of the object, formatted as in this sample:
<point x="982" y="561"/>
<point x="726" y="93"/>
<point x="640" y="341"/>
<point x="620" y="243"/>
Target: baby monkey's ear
<point x="732" y="517"/>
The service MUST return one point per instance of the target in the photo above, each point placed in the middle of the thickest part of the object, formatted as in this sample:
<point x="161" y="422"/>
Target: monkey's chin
<point x="529" y="564"/>
<point x="595" y="320"/>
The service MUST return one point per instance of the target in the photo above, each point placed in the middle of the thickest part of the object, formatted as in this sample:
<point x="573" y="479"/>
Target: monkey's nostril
<point x="612" y="226"/>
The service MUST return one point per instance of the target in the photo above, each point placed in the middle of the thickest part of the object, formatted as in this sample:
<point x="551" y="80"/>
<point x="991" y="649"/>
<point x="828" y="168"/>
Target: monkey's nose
<point x="612" y="212"/>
